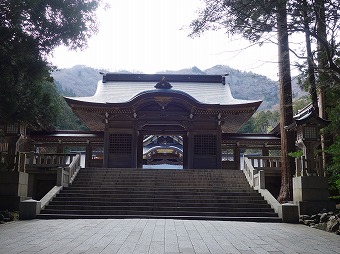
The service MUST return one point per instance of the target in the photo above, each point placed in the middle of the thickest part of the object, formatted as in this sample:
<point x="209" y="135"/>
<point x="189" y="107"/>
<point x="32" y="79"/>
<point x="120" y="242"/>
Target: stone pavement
<point x="162" y="236"/>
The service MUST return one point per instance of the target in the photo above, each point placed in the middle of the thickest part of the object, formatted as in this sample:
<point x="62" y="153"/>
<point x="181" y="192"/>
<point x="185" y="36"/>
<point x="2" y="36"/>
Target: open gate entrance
<point x="162" y="146"/>
<point x="163" y="151"/>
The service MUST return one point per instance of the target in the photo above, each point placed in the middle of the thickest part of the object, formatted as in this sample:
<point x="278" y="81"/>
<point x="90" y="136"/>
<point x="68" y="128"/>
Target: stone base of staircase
<point x="212" y="194"/>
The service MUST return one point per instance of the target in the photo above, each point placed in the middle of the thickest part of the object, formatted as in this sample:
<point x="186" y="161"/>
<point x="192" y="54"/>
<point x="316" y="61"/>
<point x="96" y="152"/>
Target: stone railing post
<point x="60" y="176"/>
<point x="262" y="179"/>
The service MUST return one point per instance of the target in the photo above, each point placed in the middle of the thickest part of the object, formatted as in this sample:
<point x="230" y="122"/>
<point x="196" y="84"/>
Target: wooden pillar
<point x="60" y="147"/>
<point x="88" y="154"/>
<point x="140" y="150"/>
<point x="135" y="146"/>
<point x="265" y="151"/>
<point x="237" y="159"/>
<point x="219" y="148"/>
<point x="185" y="151"/>
<point x="106" y="148"/>
<point x="190" y="150"/>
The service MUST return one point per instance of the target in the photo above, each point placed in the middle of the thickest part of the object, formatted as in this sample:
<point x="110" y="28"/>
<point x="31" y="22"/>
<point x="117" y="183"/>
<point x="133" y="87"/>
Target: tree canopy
<point x="29" y="31"/>
<point x="256" y="21"/>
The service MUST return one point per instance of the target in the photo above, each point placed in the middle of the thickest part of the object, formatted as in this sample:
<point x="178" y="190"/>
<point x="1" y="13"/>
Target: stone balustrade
<point x="255" y="168"/>
<point x="29" y="160"/>
<point x="66" y="175"/>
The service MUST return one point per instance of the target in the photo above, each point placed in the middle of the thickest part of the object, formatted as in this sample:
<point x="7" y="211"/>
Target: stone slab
<point x="310" y="188"/>
<point x="313" y="207"/>
<point x="136" y="236"/>
<point x="29" y="209"/>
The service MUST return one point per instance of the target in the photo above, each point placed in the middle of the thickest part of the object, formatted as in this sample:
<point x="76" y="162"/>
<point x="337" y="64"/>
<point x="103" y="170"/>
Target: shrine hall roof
<point x="121" y="88"/>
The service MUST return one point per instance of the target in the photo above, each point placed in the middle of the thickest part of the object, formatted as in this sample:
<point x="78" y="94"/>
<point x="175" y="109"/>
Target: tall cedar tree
<point x="320" y="22"/>
<point x="253" y="19"/>
<point x="286" y="106"/>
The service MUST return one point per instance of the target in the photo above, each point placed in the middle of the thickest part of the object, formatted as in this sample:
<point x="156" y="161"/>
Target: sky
<point x="152" y="35"/>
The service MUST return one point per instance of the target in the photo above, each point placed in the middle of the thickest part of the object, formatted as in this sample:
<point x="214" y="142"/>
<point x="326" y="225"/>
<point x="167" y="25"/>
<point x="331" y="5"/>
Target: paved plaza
<point x="162" y="236"/>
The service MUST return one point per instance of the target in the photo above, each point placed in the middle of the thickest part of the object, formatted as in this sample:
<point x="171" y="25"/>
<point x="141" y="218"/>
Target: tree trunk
<point x="286" y="108"/>
<point x="310" y="61"/>
<point x="323" y="77"/>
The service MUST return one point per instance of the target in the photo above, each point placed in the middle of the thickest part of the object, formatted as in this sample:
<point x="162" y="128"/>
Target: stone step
<point x="157" y="179"/>
<point x="149" y="216"/>
<point x="154" y="193"/>
<point x="136" y="193"/>
<point x="175" y="203"/>
<point x="160" y="175"/>
<point x="196" y="188"/>
<point x="161" y="213"/>
<point x="193" y="209"/>
<point x="134" y="198"/>
<point x="160" y="186"/>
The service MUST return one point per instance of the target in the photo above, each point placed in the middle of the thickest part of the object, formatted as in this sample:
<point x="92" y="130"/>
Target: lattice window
<point x="274" y="152"/>
<point x="227" y="154"/>
<point x="310" y="132"/>
<point x="120" y="144"/>
<point x="46" y="149"/>
<point x="205" y="144"/>
<point x="12" y="128"/>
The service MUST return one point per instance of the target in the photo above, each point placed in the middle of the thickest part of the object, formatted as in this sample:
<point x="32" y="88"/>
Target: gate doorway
<point x="162" y="146"/>
<point x="163" y="151"/>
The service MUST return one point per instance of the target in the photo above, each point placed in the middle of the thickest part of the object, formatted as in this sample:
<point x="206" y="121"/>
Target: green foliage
<point x="261" y="122"/>
<point x="296" y="154"/>
<point x="300" y="103"/>
<point x="333" y="131"/>
<point x="49" y="23"/>
<point x="256" y="20"/>
<point x="334" y="169"/>
<point x="59" y="114"/>
<point x="248" y="127"/>
<point x="29" y="30"/>
<point x="66" y="119"/>
<point x="9" y="215"/>
<point x="249" y="18"/>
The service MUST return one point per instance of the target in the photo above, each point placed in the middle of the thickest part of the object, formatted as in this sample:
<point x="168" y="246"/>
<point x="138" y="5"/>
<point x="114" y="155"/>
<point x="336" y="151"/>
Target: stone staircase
<point x="160" y="193"/>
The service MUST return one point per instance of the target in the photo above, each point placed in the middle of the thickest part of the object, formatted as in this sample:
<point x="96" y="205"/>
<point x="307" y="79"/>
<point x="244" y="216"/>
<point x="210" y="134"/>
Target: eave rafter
<point x="230" y="117"/>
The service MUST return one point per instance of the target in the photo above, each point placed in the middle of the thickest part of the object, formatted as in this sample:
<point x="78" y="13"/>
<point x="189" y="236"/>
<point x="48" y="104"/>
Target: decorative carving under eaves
<point x="163" y="101"/>
<point x="222" y="112"/>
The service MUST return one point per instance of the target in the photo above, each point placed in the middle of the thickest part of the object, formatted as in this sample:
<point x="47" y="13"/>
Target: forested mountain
<point x="82" y="81"/>
<point x="78" y="80"/>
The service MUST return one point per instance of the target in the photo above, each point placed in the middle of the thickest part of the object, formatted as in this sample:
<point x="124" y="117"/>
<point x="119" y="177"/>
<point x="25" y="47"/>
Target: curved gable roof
<point x="122" y="88"/>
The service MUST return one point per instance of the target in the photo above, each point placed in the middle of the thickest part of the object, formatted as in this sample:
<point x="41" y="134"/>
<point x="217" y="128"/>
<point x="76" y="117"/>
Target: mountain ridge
<point x="82" y="80"/>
